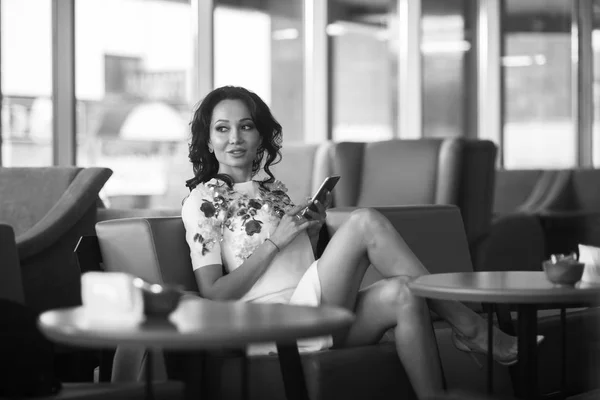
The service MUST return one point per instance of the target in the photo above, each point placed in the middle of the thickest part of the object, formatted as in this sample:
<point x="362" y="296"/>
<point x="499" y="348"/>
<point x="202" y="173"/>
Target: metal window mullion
<point x="582" y="80"/>
<point x="202" y="76"/>
<point x="63" y="83"/>
<point x="410" y="76"/>
<point x="489" y="65"/>
<point x="316" y="77"/>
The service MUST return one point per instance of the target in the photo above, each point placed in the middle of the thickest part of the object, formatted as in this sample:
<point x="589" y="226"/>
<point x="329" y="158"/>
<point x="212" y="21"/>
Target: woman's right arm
<point x="205" y="252"/>
<point x="216" y="286"/>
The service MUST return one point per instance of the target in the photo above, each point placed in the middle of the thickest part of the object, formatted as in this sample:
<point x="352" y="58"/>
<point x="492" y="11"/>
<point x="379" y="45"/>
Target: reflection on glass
<point x="362" y="78"/>
<point x="596" y="80"/>
<point x="266" y="56"/>
<point x="538" y="125"/>
<point x="444" y="48"/>
<point x="26" y="83"/>
<point x="133" y="63"/>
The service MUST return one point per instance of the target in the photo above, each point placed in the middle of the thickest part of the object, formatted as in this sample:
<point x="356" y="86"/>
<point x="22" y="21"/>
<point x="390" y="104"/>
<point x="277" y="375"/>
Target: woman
<point x="249" y="242"/>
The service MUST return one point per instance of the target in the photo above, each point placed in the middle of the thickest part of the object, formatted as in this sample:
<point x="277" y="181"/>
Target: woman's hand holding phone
<point x="323" y="196"/>
<point x="309" y="216"/>
<point x="291" y="224"/>
<point x="319" y="216"/>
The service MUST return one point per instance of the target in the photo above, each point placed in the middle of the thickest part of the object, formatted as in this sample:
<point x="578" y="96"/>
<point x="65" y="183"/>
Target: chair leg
<point x="106" y="363"/>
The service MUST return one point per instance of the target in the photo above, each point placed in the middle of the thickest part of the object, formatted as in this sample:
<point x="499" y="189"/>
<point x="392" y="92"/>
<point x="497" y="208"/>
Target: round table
<point x="527" y="290"/>
<point x="200" y="324"/>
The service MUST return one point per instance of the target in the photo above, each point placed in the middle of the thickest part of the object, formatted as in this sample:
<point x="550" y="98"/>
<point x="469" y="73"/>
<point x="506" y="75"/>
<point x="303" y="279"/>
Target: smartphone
<point x="327" y="186"/>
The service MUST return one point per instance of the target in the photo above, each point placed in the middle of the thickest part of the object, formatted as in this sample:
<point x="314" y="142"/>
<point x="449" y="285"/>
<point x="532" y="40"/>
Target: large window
<point x="444" y="48"/>
<point x="538" y="122"/>
<point x="26" y="82"/>
<point x="133" y="65"/>
<point x="362" y="71"/>
<point x="259" y="45"/>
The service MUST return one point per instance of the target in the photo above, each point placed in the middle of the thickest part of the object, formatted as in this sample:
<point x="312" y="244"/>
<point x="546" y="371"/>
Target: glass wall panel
<point x="133" y="64"/>
<point x="444" y="47"/>
<point x="26" y="45"/>
<point x="538" y="122"/>
<point x="362" y="70"/>
<point x="596" y="75"/>
<point x="259" y="45"/>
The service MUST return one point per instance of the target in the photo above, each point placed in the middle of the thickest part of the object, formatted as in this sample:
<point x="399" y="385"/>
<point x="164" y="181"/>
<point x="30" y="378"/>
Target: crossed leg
<point x="368" y="238"/>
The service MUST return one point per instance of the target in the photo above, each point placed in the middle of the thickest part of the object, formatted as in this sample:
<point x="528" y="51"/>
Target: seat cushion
<point x="366" y="372"/>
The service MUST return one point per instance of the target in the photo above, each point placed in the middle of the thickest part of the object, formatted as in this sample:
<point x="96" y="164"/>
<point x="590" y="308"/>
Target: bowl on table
<point x="566" y="273"/>
<point x="159" y="300"/>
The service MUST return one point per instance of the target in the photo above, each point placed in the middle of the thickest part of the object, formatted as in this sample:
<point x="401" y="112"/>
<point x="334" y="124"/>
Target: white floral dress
<point x="225" y="225"/>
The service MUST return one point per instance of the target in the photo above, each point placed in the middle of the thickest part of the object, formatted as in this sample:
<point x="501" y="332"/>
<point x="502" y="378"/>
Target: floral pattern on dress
<point x="243" y="216"/>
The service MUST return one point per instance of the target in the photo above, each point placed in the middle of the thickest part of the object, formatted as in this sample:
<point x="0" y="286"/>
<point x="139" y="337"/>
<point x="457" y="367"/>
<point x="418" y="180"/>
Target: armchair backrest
<point x="152" y="248"/>
<point x="402" y="172"/>
<point x="514" y="187"/>
<point x="299" y="169"/>
<point x="396" y="172"/>
<point x="27" y="194"/>
<point x="534" y="190"/>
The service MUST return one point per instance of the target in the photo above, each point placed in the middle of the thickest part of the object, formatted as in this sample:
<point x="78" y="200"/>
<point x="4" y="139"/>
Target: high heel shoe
<point x="464" y="344"/>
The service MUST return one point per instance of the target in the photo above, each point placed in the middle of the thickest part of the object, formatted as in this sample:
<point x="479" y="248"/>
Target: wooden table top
<point x="522" y="287"/>
<point x="198" y="324"/>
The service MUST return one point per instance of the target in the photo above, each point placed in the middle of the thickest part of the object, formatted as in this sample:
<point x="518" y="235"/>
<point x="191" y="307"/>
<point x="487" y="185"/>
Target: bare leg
<point x="341" y="269"/>
<point x="369" y="238"/>
<point x="388" y="303"/>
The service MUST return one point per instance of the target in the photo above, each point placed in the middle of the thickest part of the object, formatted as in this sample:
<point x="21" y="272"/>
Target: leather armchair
<point x="529" y="191"/>
<point x="438" y="171"/>
<point x="49" y="209"/>
<point x="155" y="250"/>
<point x="522" y="198"/>
<point x="571" y="211"/>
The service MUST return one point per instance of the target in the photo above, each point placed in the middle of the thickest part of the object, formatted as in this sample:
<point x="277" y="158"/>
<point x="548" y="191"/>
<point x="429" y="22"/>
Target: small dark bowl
<point x="563" y="273"/>
<point x="159" y="300"/>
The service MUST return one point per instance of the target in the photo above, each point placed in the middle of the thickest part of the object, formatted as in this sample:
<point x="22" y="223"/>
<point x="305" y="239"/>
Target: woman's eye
<point x="248" y="127"/>
<point x="221" y="129"/>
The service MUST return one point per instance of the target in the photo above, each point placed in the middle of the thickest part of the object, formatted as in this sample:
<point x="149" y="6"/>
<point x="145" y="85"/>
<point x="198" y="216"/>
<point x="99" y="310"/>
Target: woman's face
<point x="234" y="139"/>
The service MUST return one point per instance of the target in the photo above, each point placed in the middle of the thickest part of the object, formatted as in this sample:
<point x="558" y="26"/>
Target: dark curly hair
<point x="205" y="163"/>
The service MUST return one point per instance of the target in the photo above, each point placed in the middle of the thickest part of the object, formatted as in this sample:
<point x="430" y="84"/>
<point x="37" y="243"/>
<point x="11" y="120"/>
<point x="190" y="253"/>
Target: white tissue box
<point x="111" y="298"/>
<point x="590" y="256"/>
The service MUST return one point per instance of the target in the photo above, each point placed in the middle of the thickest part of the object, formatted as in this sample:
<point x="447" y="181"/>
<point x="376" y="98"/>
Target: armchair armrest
<point x="435" y="233"/>
<point x="72" y="205"/>
<point x="11" y="285"/>
<point x="105" y="214"/>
